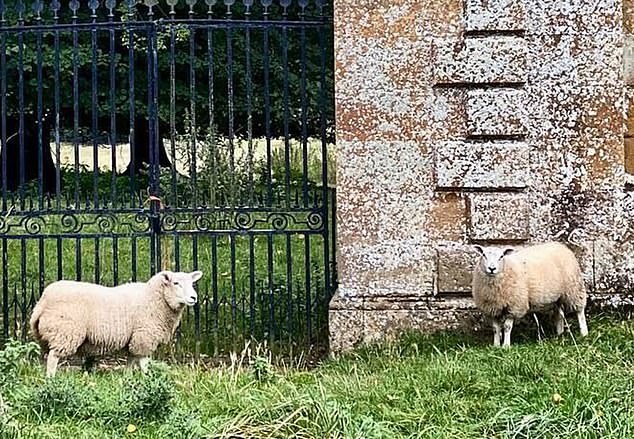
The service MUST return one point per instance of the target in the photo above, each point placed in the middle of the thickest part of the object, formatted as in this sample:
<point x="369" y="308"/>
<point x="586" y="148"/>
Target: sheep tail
<point x="35" y="320"/>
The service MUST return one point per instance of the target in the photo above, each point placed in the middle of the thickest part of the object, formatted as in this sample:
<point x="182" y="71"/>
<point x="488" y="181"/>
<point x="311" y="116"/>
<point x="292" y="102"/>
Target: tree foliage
<point x="227" y="65"/>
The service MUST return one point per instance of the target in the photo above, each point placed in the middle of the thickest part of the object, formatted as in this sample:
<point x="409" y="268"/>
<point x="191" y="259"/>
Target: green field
<point x="443" y="386"/>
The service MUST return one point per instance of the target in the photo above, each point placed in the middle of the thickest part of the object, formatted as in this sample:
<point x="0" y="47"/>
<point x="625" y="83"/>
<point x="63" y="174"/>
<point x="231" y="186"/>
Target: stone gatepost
<point x="475" y="121"/>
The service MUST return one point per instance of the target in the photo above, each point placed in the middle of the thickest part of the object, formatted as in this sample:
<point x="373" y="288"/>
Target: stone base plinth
<point x="355" y="321"/>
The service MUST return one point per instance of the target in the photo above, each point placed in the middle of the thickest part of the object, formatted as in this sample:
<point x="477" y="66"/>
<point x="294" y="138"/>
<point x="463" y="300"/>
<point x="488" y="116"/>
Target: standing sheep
<point x="79" y="317"/>
<point x="507" y="284"/>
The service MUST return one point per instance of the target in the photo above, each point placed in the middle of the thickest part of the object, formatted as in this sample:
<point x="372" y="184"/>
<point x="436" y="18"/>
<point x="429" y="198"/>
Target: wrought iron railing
<point x="197" y="135"/>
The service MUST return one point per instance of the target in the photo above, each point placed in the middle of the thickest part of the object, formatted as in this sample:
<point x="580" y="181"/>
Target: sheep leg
<point x="497" y="333"/>
<point x="508" y="327"/>
<point x="583" y="326"/>
<point x="132" y="361"/>
<point x="138" y="360"/>
<point x="142" y="346"/>
<point x="540" y="330"/>
<point x="89" y="363"/>
<point x="51" y="364"/>
<point x="559" y="321"/>
<point x="143" y="363"/>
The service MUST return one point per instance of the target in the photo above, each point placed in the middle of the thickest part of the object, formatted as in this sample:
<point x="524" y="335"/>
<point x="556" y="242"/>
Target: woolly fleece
<point x="79" y="317"/>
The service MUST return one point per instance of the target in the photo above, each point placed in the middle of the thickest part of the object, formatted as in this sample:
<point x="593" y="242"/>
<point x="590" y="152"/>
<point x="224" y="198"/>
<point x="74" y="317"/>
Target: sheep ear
<point x="196" y="275"/>
<point x="167" y="277"/>
<point x="479" y="249"/>
<point x="508" y="251"/>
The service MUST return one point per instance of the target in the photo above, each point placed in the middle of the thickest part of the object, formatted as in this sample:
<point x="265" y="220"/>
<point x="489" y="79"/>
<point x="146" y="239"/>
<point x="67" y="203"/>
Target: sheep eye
<point x="176" y="283"/>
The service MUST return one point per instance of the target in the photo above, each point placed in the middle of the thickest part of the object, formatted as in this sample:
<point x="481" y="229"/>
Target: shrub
<point x="147" y="396"/>
<point x="15" y="354"/>
<point x="181" y="424"/>
<point x="13" y="357"/>
<point x="66" y="395"/>
<point x="262" y="369"/>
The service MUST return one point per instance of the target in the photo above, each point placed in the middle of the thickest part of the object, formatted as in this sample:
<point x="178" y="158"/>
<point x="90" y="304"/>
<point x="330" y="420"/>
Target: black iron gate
<point x="145" y="136"/>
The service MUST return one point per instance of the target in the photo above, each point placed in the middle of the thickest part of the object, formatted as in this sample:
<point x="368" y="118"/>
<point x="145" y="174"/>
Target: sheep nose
<point x="491" y="270"/>
<point x="193" y="298"/>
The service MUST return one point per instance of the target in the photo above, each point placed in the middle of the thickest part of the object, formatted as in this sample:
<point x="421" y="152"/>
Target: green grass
<point x="443" y="386"/>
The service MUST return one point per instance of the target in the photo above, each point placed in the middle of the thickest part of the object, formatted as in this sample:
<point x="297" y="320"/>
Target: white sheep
<point x="80" y="317"/>
<point x="507" y="284"/>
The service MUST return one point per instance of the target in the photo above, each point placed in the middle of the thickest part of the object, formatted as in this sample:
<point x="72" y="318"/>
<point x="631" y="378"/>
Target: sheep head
<point x="178" y="287"/>
<point x="491" y="260"/>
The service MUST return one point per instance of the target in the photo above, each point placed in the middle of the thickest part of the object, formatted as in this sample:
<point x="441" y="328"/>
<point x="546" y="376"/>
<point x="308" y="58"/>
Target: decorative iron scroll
<point x="140" y="222"/>
<point x="242" y="221"/>
<point x="279" y="221"/>
<point x="76" y="223"/>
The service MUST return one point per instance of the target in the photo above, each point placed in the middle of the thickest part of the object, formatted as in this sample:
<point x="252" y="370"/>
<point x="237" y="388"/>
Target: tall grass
<point x="443" y="386"/>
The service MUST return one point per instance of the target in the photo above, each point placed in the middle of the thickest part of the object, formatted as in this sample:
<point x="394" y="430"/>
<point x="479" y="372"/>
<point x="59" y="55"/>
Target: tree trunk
<point x="31" y="158"/>
<point x="141" y="148"/>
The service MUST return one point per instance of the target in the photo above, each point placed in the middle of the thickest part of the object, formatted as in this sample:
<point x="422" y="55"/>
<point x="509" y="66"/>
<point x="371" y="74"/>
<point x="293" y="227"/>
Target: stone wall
<point x="476" y="121"/>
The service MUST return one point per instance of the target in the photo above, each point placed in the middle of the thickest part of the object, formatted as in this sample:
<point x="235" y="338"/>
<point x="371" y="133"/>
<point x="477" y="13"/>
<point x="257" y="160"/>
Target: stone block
<point x="496" y="59"/>
<point x="604" y="163"/>
<point x="369" y="20"/>
<point x="586" y="215"/>
<point x="448" y="216"/>
<point x="486" y="15"/>
<point x="447" y="114"/>
<point x="391" y="268"/>
<point x="573" y="16"/>
<point x="435" y="17"/>
<point x="382" y="89"/>
<point x="623" y="214"/>
<point x="383" y="187"/>
<point x="583" y="162"/>
<point x="390" y="324"/>
<point x="573" y="110"/>
<point x="496" y="112"/>
<point x="499" y="217"/>
<point x="385" y="320"/>
<point x="577" y="59"/>
<point x="613" y="266"/>
<point x="482" y="165"/>
<point x="455" y="266"/>
<point x="382" y="319"/>
<point x="346" y="329"/>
